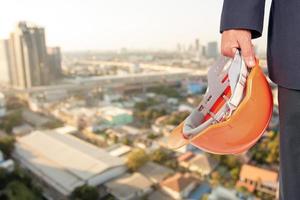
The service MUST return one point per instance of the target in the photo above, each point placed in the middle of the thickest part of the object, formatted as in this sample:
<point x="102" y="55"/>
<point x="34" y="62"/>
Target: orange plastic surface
<point x="243" y="128"/>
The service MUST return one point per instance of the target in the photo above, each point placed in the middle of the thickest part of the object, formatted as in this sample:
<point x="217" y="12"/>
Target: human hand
<point x="238" y="39"/>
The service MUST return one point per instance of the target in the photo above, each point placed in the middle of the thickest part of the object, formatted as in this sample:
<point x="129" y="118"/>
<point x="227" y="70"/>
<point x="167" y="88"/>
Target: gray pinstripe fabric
<point x="283" y="35"/>
<point x="289" y="113"/>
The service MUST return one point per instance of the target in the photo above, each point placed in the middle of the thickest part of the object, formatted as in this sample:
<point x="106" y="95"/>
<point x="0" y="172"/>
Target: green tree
<point x="230" y="161"/>
<point x="152" y="136"/>
<point x="273" y="155"/>
<point x="243" y="190"/>
<point x="53" y="124"/>
<point x="17" y="190"/>
<point x="162" y="156"/>
<point x="148" y="115"/>
<point x="168" y="91"/>
<point x="140" y="106"/>
<point x="126" y="141"/>
<point x="85" y="192"/>
<point x="11" y="120"/>
<point x="267" y="150"/>
<point x="4" y="178"/>
<point x="136" y="159"/>
<point x="176" y="118"/>
<point x="81" y="123"/>
<point x="215" y="178"/>
<point x="18" y="185"/>
<point x="204" y="197"/>
<point x="235" y="173"/>
<point x="159" y="156"/>
<point x="7" y="144"/>
<point x="15" y="103"/>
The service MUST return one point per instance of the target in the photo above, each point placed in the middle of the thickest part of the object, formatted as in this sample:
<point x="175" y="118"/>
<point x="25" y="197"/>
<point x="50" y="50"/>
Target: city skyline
<point x="115" y="24"/>
<point x="25" y="59"/>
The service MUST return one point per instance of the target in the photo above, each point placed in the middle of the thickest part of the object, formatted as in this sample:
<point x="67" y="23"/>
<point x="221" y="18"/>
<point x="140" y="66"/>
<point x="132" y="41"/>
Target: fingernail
<point x="251" y="62"/>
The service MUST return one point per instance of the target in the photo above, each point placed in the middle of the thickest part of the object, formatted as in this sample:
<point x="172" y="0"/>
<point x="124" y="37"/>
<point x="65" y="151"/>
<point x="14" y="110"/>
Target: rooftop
<point x="113" y="111"/>
<point x="128" y="185"/>
<point x="155" y="172"/>
<point x="266" y="177"/>
<point x="186" y="156"/>
<point x="34" y="118"/>
<point x="66" y="129"/>
<point x="130" y="130"/>
<point x="203" y="161"/>
<point x="158" y="194"/>
<point x="223" y="193"/>
<point x="63" y="160"/>
<point x="178" y="182"/>
<point x="119" y="150"/>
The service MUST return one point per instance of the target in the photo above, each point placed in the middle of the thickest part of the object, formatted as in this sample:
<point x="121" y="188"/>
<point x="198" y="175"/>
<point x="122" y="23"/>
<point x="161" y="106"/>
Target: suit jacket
<point x="283" y="35"/>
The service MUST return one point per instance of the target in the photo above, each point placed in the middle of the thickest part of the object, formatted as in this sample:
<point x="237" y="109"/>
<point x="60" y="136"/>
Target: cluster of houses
<point x="61" y="162"/>
<point x="69" y="162"/>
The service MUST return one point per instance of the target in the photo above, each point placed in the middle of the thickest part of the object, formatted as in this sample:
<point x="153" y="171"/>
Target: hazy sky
<point x="112" y="24"/>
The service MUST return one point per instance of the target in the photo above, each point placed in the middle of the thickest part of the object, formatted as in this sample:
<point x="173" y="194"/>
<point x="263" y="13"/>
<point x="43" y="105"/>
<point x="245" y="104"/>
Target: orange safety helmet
<point x="234" y="112"/>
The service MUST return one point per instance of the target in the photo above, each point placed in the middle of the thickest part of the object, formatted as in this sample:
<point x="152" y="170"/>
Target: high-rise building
<point x="28" y="56"/>
<point x="212" y="50"/>
<point x="2" y="107"/>
<point x="197" y="45"/>
<point x="54" y="62"/>
<point x="5" y="66"/>
<point x="203" y="51"/>
<point x="179" y="47"/>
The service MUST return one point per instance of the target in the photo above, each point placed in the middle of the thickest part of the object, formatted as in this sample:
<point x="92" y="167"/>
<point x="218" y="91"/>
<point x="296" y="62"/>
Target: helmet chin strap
<point x="226" y="83"/>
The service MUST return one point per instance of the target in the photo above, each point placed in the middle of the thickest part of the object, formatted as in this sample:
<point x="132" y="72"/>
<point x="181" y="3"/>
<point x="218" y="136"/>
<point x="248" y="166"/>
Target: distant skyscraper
<point x="2" y="105"/>
<point x="197" y="45"/>
<point x="179" y="47"/>
<point x="203" y="52"/>
<point x="54" y="62"/>
<point x="28" y="56"/>
<point x="212" y="50"/>
<point x="5" y="66"/>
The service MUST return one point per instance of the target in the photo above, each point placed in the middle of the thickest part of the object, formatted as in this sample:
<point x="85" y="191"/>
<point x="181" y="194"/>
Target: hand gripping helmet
<point x="234" y="112"/>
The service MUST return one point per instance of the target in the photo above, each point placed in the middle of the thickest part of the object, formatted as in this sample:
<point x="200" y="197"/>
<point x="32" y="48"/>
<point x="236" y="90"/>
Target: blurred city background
<point x="89" y="90"/>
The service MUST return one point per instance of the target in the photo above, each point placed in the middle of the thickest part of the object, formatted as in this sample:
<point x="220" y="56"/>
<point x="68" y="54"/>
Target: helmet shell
<point x="242" y="129"/>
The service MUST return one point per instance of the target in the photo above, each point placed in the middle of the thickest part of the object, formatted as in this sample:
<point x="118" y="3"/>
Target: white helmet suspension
<point x="225" y="74"/>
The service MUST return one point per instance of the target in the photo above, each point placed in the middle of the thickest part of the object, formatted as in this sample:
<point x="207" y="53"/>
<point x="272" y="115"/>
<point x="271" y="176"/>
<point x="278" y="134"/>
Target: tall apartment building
<point x="5" y="66"/>
<point x="197" y="45"/>
<point x="212" y="50"/>
<point x="54" y="62"/>
<point x="29" y="61"/>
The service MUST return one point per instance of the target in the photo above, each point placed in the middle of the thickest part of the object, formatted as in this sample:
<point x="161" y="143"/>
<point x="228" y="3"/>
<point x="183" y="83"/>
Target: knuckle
<point x="246" y="51"/>
<point x="226" y="51"/>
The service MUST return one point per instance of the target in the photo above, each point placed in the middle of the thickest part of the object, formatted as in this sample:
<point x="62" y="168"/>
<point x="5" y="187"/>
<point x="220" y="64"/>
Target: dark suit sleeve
<point x="243" y="14"/>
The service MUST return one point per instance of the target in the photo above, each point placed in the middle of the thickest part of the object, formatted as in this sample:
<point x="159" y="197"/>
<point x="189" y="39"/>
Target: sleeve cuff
<point x="255" y="32"/>
<point x="248" y="15"/>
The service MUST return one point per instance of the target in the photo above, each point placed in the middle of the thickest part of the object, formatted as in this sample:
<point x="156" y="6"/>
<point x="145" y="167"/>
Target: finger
<point x="229" y="50"/>
<point x="234" y="49"/>
<point x="247" y="52"/>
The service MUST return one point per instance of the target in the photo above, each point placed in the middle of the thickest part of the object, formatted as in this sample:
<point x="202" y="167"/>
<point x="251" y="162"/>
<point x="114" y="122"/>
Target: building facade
<point x="54" y="63"/>
<point x="5" y="66"/>
<point x="2" y="106"/>
<point x="29" y="63"/>
<point x="66" y="163"/>
<point x="212" y="50"/>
